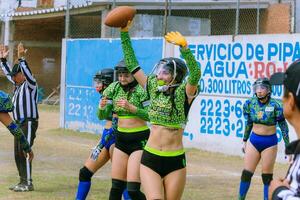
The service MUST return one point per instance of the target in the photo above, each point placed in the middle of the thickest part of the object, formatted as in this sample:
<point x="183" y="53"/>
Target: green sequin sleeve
<point x="105" y="112"/>
<point x="249" y="123"/>
<point x="143" y="112"/>
<point x="142" y="109"/>
<point x="24" y="144"/>
<point x="17" y="132"/>
<point x="284" y="131"/>
<point x="129" y="56"/>
<point x="282" y="123"/>
<point x="109" y="91"/>
<point x="194" y="69"/>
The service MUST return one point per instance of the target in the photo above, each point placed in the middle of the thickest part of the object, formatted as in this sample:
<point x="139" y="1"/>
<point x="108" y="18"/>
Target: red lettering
<point x="259" y="68"/>
<point x="270" y="69"/>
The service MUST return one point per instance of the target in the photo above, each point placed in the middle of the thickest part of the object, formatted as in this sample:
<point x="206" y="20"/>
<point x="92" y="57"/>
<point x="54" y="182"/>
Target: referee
<point x="25" y="113"/>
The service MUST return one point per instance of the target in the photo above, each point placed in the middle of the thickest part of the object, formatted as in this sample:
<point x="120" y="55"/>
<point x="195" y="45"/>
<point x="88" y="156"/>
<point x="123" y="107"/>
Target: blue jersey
<point x="6" y="104"/>
<point x="269" y="113"/>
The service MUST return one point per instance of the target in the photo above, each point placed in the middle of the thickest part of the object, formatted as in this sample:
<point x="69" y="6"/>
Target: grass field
<point x="59" y="154"/>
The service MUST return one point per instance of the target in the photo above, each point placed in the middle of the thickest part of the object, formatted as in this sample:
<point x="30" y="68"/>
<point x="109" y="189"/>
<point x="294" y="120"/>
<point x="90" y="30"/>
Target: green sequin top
<point x="161" y="110"/>
<point x="136" y="96"/>
<point x="269" y="113"/>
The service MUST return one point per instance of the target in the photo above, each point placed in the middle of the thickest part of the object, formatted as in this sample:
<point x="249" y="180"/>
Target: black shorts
<point x="163" y="165"/>
<point x="130" y="142"/>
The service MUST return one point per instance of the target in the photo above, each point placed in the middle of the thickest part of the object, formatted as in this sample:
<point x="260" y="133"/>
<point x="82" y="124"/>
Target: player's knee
<point x="267" y="178"/>
<point x="246" y="176"/>
<point x="85" y="174"/>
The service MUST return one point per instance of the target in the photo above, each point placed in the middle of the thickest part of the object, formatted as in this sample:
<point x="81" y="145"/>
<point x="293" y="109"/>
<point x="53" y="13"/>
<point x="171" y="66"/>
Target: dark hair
<point x="290" y="79"/>
<point x="286" y="95"/>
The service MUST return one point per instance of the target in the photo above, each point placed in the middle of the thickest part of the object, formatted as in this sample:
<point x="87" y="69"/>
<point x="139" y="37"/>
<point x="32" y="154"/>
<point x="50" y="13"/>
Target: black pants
<point x="29" y="128"/>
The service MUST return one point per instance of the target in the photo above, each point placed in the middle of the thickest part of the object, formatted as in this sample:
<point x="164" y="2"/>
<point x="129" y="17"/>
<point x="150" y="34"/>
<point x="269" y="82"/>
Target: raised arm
<point x="24" y="66"/>
<point x="27" y="72"/>
<point x="4" y="65"/>
<point x="194" y="70"/>
<point x="130" y="58"/>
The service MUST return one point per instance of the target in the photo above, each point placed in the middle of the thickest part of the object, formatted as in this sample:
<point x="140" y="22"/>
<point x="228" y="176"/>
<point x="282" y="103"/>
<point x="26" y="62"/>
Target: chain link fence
<point x="200" y="20"/>
<point x="85" y="25"/>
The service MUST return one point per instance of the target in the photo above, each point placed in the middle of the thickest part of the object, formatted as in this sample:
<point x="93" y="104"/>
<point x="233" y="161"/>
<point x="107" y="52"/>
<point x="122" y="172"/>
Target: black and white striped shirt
<point x="25" y="95"/>
<point x="293" y="176"/>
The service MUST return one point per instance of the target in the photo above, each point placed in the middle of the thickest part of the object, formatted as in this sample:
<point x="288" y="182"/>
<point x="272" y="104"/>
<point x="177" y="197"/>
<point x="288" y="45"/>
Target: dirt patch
<point x="59" y="154"/>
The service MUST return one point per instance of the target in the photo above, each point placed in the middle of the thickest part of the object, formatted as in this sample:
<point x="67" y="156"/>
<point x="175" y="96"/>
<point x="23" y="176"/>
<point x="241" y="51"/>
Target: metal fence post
<point x="67" y="19"/>
<point x="170" y="7"/>
<point x="257" y="17"/>
<point x="237" y="17"/>
<point x="165" y="17"/>
<point x="293" y="17"/>
<point x="112" y="30"/>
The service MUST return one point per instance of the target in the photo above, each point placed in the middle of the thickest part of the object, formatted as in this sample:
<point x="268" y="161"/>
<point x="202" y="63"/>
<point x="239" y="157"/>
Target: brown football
<point x="119" y="16"/>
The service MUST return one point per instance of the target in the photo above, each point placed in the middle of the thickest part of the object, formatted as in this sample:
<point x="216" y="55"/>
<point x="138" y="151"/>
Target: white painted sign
<point x="229" y="67"/>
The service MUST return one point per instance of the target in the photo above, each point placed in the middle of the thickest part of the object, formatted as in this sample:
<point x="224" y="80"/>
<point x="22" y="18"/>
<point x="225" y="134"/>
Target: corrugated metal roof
<point x="202" y="4"/>
<point x="188" y="4"/>
<point x="148" y="4"/>
<point x="45" y="11"/>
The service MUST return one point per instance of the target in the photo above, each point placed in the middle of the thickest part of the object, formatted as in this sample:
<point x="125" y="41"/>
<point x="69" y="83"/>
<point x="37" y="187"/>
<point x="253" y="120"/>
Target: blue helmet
<point x="106" y="76"/>
<point x="262" y="84"/>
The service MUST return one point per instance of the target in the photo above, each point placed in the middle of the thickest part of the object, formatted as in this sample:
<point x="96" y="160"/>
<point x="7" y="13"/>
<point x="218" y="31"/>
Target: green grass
<point x="59" y="154"/>
<point x="53" y="187"/>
